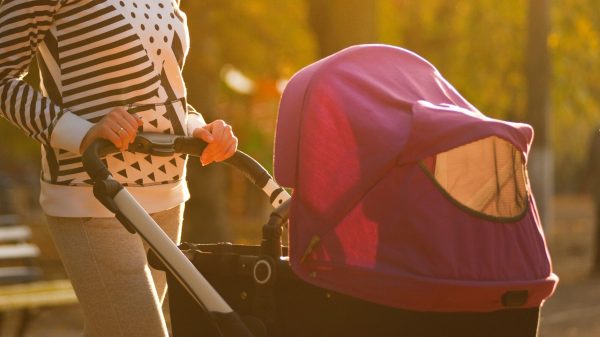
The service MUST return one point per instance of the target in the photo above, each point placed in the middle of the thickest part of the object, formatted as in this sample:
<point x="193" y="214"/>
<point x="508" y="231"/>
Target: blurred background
<point x="533" y="61"/>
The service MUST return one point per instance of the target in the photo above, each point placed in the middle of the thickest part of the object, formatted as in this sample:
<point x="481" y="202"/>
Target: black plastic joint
<point x="271" y="240"/>
<point x="105" y="191"/>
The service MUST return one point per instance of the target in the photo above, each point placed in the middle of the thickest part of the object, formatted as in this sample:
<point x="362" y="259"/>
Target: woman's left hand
<point x="222" y="143"/>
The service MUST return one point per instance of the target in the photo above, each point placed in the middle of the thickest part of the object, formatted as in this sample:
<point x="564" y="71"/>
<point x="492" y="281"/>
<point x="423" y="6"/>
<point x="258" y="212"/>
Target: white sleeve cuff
<point x="194" y="121"/>
<point x="69" y="132"/>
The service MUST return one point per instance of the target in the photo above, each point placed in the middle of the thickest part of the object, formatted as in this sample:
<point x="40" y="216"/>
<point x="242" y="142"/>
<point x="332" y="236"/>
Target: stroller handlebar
<point x="136" y="219"/>
<point x="167" y="145"/>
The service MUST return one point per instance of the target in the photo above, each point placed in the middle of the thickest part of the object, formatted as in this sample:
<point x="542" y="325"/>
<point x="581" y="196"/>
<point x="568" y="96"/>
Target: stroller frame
<point x="206" y="281"/>
<point x="136" y="220"/>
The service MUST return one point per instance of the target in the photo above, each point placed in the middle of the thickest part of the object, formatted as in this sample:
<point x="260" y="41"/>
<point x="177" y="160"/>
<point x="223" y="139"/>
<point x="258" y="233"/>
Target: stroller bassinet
<point x="411" y="214"/>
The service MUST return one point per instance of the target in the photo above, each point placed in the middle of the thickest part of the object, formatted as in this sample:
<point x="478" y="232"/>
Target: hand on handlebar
<point x="222" y="143"/>
<point x="118" y="126"/>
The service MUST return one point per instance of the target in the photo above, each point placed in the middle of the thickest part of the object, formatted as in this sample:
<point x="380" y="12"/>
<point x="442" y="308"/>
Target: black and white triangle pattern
<point x="136" y="169"/>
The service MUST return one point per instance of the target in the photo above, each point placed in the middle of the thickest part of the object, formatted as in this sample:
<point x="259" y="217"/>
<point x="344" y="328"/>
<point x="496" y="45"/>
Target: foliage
<point x="479" y="50"/>
<point x="267" y="41"/>
<point x="479" y="46"/>
<point x="575" y="45"/>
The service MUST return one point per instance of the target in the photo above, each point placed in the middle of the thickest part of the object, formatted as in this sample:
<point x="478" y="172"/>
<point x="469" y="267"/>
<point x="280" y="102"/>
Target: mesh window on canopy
<point x="487" y="176"/>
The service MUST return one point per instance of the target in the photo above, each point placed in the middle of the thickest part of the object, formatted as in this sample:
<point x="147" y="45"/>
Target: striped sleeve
<point x="23" y="25"/>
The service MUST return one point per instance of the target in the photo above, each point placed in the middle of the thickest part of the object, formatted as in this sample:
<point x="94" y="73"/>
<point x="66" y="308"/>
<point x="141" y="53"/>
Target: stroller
<point x="411" y="215"/>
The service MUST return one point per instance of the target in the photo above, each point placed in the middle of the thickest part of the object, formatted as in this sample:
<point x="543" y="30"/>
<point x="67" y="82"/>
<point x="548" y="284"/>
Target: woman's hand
<point x="118" y="126"/>
<point x="222" y="143"/>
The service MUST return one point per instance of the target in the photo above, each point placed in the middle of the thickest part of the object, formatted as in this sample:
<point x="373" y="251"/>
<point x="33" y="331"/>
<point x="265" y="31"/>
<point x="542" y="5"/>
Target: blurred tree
<point x="267" y="41"/>
<point x="207" y="205"/>
<point x="479" y="46"/>
<point x="574" y="44"/>
<point x="538" y="109"/>
<point x="341" y="23"/>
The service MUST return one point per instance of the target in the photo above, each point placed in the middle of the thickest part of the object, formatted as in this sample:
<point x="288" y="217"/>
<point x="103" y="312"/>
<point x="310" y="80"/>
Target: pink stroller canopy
<point x="404" y="193"/>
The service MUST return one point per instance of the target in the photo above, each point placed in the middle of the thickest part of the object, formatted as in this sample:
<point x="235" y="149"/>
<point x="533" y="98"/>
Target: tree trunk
<point x="205" y="212"/>
<point x="538" y="109"/>
<point x="341" y="23"/>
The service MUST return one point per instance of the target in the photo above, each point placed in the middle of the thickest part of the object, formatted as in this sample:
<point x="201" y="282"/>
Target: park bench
<point x="22" y="288"/>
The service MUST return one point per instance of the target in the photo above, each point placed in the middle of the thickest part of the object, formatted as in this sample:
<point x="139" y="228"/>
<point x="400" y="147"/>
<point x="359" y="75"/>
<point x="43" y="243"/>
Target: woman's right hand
<point x="117" y="126"/>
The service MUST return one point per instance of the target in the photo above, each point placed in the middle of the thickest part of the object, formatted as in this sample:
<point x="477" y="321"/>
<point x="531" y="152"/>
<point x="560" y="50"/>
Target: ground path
<point x="574" y="311"/>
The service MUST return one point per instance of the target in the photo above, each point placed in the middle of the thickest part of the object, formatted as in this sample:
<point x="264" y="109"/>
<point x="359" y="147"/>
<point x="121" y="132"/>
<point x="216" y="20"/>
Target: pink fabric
<point x="351" y="130"/>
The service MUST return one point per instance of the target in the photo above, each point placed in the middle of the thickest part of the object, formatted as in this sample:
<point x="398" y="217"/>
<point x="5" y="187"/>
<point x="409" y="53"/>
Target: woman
<point x="109" y="68"/>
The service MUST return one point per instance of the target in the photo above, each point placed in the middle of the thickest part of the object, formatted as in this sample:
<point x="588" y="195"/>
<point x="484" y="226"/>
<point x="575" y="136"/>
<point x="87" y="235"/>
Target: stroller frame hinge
<point x="105" y="191"/>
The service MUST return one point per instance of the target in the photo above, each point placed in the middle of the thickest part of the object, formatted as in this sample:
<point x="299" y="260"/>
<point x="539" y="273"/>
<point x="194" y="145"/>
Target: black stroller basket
<point x="273" y="302"/>
<point x="207" y="282"/>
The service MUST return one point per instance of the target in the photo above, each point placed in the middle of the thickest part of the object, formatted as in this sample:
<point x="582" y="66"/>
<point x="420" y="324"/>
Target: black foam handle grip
<point x="92" y="163"/>
<point x="157" y="144"/>
<point x="190" y="145"/>
<point x="252" y="169"/>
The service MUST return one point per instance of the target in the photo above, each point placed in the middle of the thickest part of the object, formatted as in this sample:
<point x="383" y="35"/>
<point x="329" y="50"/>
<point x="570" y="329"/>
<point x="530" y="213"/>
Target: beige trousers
<point x="120" y="295"/>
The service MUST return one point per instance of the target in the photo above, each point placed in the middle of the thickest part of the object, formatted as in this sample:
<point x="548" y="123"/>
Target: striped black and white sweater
<point x="93" y="56"/>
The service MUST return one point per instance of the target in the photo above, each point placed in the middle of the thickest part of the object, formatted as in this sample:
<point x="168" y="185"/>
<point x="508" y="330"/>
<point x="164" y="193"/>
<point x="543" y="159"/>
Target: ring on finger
<point x="118" y="132"/>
